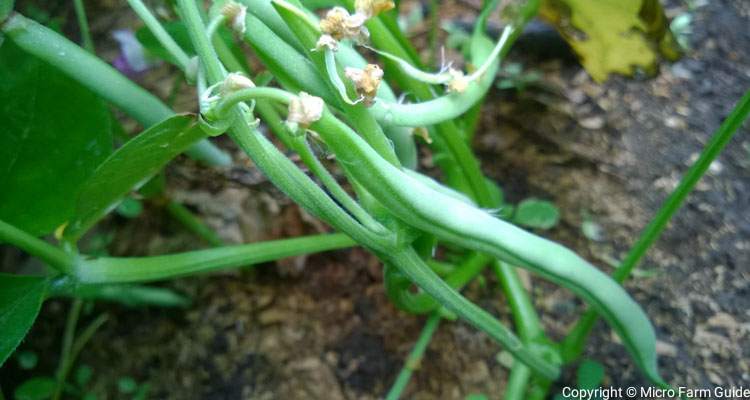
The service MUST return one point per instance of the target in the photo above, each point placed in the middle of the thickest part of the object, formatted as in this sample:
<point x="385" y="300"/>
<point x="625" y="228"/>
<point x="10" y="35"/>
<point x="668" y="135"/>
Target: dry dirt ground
<point x="320" y="327"/>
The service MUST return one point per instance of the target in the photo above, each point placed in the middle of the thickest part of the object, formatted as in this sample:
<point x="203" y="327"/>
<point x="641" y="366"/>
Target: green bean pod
<point x="454" y="221"/>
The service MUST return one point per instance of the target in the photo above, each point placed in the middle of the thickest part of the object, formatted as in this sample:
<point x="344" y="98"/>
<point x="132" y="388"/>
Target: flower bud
<point x="366" y="81"/>
<point x="305" y="109"/>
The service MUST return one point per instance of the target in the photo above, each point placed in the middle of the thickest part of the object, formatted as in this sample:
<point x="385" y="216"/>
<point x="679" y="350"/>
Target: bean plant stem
<point x="526" y="318"/>
<point x="48" y="253"/>
<point x="415" y="356"/>
<point x="517" y="382"/>
<point x="147" y="269"/>
<point x="67" y="344"/>
<point x="297" y="186"/>
<point x="161" y="34"/>
<point x="83" y="25"/>
<point x="142" y="269"/>
<point x="574" y="342"/>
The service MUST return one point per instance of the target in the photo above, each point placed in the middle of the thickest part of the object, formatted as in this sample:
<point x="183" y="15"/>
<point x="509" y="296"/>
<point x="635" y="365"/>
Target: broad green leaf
<point x="613" y="35"/>
<point x="536" y="214"/>
<point x="53" y="134"/>
<point x="20" y="300"/>
<point x="130" y="167"/>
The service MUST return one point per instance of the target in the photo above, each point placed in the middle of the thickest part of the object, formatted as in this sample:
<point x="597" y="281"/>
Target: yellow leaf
<point x="613" y="35"/>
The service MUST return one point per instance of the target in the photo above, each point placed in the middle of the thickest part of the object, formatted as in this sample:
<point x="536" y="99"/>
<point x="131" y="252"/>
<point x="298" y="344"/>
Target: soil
<point x="320" y="327"/>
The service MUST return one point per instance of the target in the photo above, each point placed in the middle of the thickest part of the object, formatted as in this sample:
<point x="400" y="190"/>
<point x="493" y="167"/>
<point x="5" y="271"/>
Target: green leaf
<point x="126" y="385"/>
<point x="130" y="167"/>
<point x="83" y="375"/>
<point x="535" y="213"/>
<point x="613" y="35"/>
<point x="6" y="6"/>
<point x="20" y="300"/>
<point x="54" y="133"/>
<point x="589" y="375"/>
<point x="130" y="207"/>
<point x="27" y="359"/>
<point x="38" y="388"/>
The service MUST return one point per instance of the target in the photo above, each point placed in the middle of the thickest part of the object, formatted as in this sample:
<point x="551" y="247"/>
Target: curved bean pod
<point x="454" y="221"/>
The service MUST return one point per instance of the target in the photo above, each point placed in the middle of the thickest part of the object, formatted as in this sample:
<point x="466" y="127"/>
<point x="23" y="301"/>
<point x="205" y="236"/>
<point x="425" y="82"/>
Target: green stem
<point x="85" y="336"/>
<point x="222" y="109"/>
<point x="302" y="148"/>
<point x="415" y="357"/>
<point x="147" y="269"/>
<point x="83" y="25"/>
<point x="524" y="315"/>
<point x="75" y="349"/>
<point x="153" y="24"/>
<point x="527" y="323"/>
<point x="409" y="262"/>
<point x="266" y="156"/>
<point x="574" y="342"/>
<point x="433" y="33"/>
<point x="67" y="344"/>
<point x="450" y="139"/>
<point x="517" y="382"/>
<point x="48" y="253"/>
<point x="193" y="223"/>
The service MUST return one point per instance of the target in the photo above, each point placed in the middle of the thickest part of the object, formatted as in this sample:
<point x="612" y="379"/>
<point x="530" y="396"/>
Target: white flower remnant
<point x="236" y="81"/>
<point x="340" y="25"/>
<point x="305" y="109"/>
<point x="327" y="41"/>
<point x="371" y="8"/>
<point x="458" y="82"/>
<point x="235" y="14"/>
<point x="366" y="81"/>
